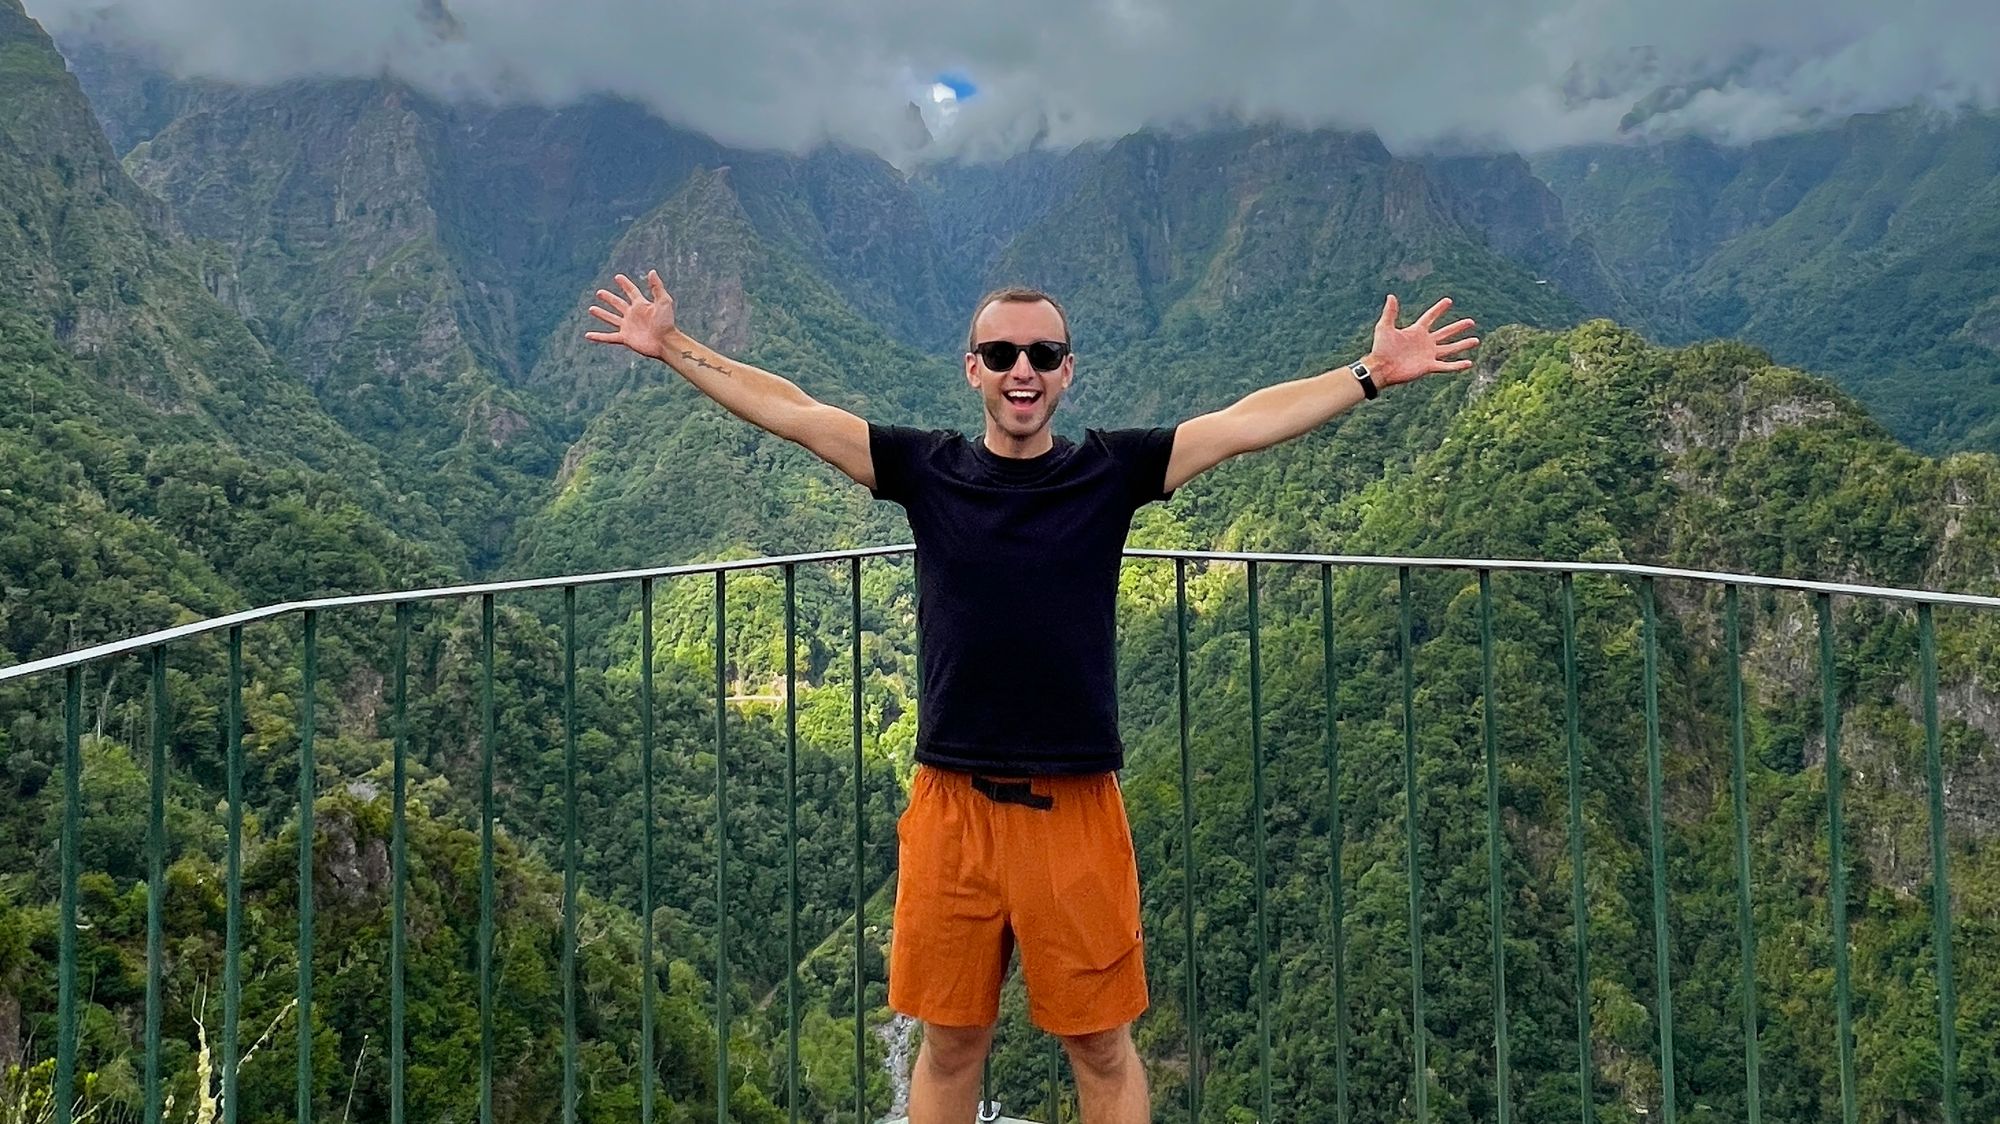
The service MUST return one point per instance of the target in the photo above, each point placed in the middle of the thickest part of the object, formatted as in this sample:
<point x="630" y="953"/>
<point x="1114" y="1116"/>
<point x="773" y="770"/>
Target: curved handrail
<point x="1621" y="569"/>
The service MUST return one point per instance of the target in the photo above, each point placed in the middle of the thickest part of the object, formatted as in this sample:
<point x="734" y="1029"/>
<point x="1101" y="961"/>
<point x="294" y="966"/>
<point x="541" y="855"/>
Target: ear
<point x="1069" y="370"/>
<point x="972" y="370"/>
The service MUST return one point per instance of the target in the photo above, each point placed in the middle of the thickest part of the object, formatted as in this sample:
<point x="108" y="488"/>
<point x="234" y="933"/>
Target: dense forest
<point x="184" y="435"/>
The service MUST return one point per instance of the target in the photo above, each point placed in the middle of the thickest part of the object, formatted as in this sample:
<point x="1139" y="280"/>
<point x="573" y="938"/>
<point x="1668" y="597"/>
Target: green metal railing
<point x="156" y="648"/>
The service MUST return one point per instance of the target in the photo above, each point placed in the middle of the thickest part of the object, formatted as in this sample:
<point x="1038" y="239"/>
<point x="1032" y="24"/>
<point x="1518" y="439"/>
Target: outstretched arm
<point x="1279" y="413"/>
<point x="646" y="325"/>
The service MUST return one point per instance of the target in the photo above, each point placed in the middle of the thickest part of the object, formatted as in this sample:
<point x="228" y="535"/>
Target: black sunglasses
<point x="999" y="355"/>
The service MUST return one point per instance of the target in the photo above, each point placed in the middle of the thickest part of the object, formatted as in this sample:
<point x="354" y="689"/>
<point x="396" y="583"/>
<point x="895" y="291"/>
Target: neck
<point x="1003" y="444"/>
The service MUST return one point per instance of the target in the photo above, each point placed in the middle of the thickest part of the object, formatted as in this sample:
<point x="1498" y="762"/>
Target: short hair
<point x="1013" y="294"/>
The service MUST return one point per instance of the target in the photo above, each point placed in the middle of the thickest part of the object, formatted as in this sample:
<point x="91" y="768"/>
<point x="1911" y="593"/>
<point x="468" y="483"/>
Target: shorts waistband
<point x="1012" y="792"/>
<point x="1032" y="791"/>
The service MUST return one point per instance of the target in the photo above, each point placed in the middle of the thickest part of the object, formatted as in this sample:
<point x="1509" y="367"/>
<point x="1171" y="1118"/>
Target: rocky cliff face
<point x="98" y="266"/>
<point x="157" y="460"/>
<point x="65" y="188"/>
<point x="860" y="224"/>
<point x="325" y="201"/>
<point x="1523" y="220"/>
<point x="1245" y="219"/>
<point x="704" y="247"/>
<point x="325" y="209"/>
<point x="132" y="98"/>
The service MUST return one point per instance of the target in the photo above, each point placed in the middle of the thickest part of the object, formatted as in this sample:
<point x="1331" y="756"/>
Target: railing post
<point x="1257" y="834"/>
<point x="1495" y="881"/>
<point x="791" y="845"/>
<point x="647" y="985"/>
<point x="1054" y="1083"/>
<point x="1585" y="1078"/>
<point x="232" y="980"/>
<point x="1837" y="849"/>
<point x="72" y="873"/>
<point x="399" y="877"/>
<point x="156" y="882"/>
<point x="1419" y="1056"/>
<point x="721" y="851"/>
<point x="307" y="795"/>
<point x="570" y="873"/>
<point x="488" y="739"/>
<point x="1187" y="848"/>
<point x="1336" y="833"/>
<point x="1655" y="783"/>
<point x="860" y="853"/>
<point x="1745" y="918"/>
<point x="1940" y="874"/>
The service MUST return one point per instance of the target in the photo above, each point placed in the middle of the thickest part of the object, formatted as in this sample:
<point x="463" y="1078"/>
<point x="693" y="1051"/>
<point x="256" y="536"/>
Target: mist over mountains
<point x="792" y="76"/>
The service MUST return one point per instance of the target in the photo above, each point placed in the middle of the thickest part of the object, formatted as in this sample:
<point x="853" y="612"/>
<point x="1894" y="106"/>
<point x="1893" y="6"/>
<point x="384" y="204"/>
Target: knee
<point x="1104" y="1054"/>
<point x="953" y="1050"/>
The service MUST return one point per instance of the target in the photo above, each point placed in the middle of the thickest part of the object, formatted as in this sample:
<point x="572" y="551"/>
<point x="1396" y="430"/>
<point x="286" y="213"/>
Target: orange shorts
<point x="990" y="862"/>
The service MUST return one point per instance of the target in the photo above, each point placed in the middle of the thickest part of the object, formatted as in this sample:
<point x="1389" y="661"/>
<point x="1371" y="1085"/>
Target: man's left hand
<point x="1403" y="354"/>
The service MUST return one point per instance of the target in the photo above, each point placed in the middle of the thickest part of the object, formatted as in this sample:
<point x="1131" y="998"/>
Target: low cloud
<point x="790" y="74"/>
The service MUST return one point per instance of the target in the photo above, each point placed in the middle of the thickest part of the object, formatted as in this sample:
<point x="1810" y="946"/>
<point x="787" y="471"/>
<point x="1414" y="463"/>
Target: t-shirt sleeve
<point x="1142" y="456"/>
<point x="896" y="453"/>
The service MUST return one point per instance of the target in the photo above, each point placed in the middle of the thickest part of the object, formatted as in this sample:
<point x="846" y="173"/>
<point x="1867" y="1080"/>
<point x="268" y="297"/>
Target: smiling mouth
<point x="1023" y="399"/>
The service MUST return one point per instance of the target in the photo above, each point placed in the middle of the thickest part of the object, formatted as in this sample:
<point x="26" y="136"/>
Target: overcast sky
<point x="1519" y="74"/>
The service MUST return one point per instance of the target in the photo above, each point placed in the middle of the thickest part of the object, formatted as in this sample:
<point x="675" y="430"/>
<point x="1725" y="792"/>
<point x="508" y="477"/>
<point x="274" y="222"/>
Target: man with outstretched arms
<point x="1015" y="834"/>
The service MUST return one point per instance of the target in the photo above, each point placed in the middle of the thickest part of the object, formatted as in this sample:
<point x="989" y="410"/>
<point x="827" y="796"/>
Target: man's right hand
<point x="641" y="324"/>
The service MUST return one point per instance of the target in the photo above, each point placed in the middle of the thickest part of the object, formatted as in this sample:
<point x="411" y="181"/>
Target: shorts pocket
<point x="1100" y="910"/>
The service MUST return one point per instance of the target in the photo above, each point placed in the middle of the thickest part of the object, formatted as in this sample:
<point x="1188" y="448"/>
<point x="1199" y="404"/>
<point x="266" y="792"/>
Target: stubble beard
<point x="1044" y="414"/>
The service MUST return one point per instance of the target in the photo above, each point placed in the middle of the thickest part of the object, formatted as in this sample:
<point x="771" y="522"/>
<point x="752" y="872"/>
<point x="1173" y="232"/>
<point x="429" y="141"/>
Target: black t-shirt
<point x="1017" y="579"/>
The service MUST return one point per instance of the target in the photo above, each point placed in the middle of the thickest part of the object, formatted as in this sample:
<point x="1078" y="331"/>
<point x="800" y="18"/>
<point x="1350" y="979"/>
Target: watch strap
<point x="1365" y="378"/>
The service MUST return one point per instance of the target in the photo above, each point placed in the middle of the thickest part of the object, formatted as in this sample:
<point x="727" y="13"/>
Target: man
<point x="1016" y="830"/>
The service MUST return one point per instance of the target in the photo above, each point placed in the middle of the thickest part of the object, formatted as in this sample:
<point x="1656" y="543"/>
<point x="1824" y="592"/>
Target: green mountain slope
<point x="158" y="460"/>
<point x="1864" y="251"/>
<point x="325" y="205"/>
<point x="414" y="259"/>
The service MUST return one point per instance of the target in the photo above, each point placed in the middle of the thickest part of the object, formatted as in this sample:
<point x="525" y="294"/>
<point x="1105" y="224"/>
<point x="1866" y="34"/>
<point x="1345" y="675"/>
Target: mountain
<point x="1857" y="249"/>
<point x="326" y="210"/>
<point x="1524" y="221"/>
<point x="410" y="257"/>
<point x="133" y="97"/>
<point x="860" y="225"/>
<point x="1863" y="250"/>
<point x="976" y="209"/>
<point x="160" y="462"/>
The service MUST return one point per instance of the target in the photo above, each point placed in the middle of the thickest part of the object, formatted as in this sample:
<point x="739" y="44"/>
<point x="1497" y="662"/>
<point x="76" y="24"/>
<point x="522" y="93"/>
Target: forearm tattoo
<point x="699" y="361"/>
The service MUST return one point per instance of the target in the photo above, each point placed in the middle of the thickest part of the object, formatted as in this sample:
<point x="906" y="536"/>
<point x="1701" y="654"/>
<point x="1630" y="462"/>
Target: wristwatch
<point x="1367" y="381"/>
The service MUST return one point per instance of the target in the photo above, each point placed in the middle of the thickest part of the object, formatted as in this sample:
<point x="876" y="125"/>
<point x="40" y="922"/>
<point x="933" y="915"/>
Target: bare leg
<point x="1110" y="1080"/>
<point x="944" y="1087"/>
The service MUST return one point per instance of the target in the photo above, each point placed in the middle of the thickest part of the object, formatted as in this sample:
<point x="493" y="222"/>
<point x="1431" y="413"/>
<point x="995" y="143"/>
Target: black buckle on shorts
<point x="1013" y="792"/>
